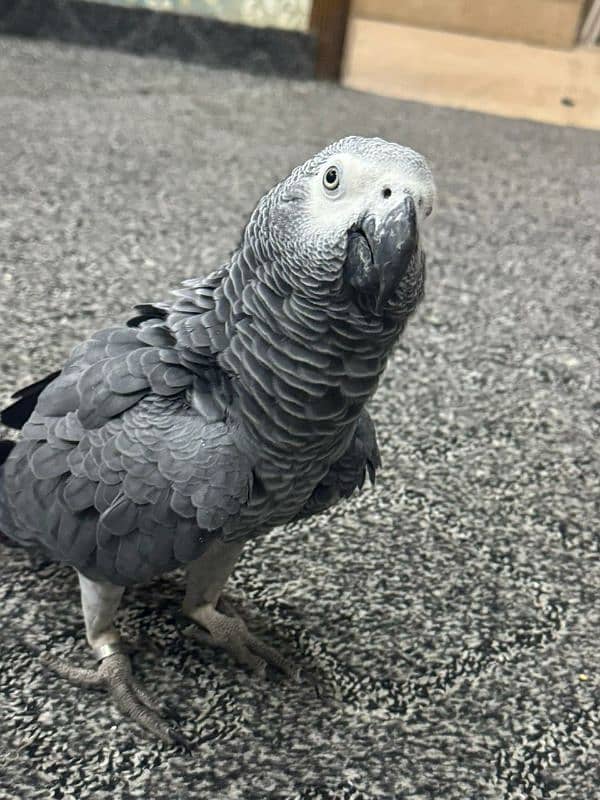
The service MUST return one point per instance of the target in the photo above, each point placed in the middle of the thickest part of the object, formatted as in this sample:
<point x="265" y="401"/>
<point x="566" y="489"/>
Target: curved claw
<point x="129" y="696"/>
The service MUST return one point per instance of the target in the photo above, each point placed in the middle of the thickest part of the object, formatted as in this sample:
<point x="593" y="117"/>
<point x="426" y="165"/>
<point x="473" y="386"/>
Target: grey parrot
<point x="233" y="408"/>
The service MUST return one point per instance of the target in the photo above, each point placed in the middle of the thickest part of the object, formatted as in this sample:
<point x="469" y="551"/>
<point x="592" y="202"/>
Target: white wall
<point x="290" y="14"/>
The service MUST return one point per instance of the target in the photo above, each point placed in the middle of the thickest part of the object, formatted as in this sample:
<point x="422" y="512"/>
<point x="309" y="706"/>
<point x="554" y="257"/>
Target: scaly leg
<point x="100" y="602"/>
<point x="224" y="628"/>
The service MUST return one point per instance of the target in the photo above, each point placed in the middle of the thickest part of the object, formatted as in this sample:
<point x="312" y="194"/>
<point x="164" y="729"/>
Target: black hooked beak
<point x="380" y="253"/>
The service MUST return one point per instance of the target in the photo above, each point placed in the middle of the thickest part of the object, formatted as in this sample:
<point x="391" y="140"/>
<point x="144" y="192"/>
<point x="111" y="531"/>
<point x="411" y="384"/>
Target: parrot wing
<point x="128" y="464"/>
<point x="361" y="458"/>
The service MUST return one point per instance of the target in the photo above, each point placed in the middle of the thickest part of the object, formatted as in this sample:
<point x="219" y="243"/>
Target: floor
<point x="451" y="612"/>
<point x="497" y="77"/>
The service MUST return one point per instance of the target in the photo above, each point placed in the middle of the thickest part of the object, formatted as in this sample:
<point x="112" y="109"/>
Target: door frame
<point x="328" y="24"/>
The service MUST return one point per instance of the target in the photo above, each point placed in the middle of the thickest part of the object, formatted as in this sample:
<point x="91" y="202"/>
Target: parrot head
<point x="348" y="220"/>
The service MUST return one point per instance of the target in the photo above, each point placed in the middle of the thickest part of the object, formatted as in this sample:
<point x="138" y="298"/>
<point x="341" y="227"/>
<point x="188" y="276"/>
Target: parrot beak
<point x="381" y="251"/>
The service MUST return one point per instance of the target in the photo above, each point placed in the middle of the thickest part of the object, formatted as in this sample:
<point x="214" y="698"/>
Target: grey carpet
<point x="454" y="609"/>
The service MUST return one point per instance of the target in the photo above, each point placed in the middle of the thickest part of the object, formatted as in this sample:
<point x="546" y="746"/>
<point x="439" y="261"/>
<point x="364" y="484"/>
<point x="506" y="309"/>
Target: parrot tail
<point x="8" y="530"/>
<point x="5" y="447"/>
<point x="16" y="415"/>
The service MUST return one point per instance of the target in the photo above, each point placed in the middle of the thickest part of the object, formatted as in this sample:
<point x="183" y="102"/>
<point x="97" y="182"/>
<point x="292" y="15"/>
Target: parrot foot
<point x="228" y="632"/>
<point x="114" y="675"/>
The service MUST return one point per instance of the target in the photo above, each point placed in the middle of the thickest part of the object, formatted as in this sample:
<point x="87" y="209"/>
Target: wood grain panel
<point x="553" y="23"/>
<point x="448" y="69"/>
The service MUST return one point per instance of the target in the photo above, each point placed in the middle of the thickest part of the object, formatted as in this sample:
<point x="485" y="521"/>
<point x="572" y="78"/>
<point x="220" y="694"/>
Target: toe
<point x="257" y="664"/>
<point x="126" y="700"/>
<point x="243" y="655"/>
<point x="227" y="607"/>
<point x="86" y="678"/>
<point x="274" y="658"/>
<point x="146" y="698"/>
<point x="198" y="634"/>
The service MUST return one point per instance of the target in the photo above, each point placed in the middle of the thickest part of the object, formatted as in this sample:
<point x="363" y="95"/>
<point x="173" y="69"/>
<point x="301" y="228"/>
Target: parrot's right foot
<point x="114" y="675"/>
<point x="225" y="629"/>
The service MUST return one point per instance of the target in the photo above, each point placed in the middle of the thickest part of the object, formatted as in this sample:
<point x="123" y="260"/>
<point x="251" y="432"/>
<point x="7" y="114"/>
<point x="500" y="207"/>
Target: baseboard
<point x="147" y="32"/>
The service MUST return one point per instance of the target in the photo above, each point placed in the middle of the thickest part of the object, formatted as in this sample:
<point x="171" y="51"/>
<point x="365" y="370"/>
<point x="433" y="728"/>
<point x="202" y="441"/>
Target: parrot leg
<point x="100" y="603"/>
<point x="220" y="624"/>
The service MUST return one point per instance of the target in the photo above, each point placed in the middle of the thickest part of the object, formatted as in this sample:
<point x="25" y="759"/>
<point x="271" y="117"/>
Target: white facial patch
<point x="371" y="184"/>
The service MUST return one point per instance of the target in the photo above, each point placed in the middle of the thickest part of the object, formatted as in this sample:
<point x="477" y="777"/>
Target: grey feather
<point x="236" y="406"/>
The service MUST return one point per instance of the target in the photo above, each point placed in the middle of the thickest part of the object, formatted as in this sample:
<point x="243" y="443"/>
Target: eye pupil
<point x="331" y="179"/>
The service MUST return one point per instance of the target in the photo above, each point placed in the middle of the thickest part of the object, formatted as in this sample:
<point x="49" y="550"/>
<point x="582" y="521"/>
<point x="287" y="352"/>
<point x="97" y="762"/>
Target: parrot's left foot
<point x="114" y="675"/>
<point x="225" y="629"/>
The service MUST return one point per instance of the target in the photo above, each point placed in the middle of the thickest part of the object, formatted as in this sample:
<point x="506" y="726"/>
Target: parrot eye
<point x="331" y="178"/>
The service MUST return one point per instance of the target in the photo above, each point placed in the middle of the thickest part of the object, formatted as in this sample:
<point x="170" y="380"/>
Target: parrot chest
<point x="285" y="480"/>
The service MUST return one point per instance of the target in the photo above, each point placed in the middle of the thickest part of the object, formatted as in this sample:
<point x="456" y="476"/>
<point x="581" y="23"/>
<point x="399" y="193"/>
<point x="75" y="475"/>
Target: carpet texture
<point x="452" y="612"/>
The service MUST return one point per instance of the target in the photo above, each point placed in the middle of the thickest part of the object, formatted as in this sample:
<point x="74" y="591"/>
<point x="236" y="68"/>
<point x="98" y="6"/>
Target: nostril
<point x="387" y="192"/>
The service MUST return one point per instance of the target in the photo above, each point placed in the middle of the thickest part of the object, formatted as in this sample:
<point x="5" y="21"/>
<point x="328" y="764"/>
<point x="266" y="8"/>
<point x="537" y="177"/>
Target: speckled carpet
<point x="452" y="612"/>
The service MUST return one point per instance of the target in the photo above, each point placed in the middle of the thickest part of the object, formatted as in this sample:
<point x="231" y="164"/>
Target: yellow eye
<point x="331" y="178"/>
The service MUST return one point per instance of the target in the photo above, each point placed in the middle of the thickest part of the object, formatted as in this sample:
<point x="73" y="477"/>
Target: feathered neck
<point x="302" y="361"/>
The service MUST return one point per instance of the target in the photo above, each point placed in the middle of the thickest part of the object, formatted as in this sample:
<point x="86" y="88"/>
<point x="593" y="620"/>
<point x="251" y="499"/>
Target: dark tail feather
<point x="5" y="447"/>
<point x="16" y="415"/>
<point x="147" y="311"/>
